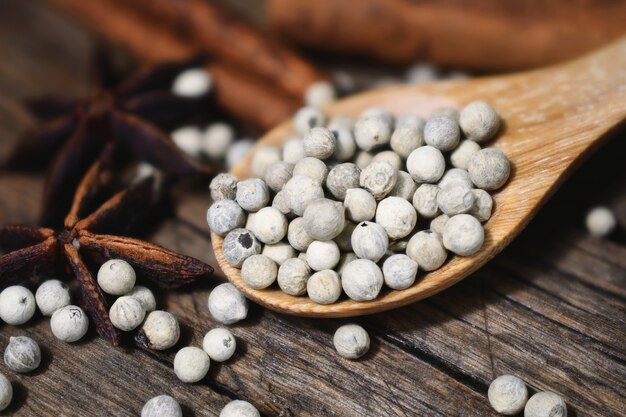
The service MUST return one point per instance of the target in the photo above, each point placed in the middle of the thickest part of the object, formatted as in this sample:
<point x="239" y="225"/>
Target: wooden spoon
<point x="553" y="119"/>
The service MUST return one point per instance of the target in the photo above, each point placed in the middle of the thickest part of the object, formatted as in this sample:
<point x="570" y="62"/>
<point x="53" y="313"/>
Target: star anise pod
<point x="132" y="115"/>
<point x="86" y="241"/>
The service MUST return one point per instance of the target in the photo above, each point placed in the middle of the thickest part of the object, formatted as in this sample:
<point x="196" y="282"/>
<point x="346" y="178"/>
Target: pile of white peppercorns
<point x="346" y="206"/>
<point x="508" y="395"/>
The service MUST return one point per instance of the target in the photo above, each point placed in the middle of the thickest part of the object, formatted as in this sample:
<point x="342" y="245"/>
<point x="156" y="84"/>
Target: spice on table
<point x="22" y="355"/>
<point x="85" y="237"/>
<point x="130" y="115"/>
<point x="600" y="221"/>
<point x="144" y="296"/>
<point x="193" y="82"/>
<point x="219" y="344"/>
<point x="161" y="406"/>
<point x="351" y="341"/>
<point x="545" y="404"/>
<point x="239" y="408"/>
<point x="508" y="395"/>
<point x="69" y="323"/>
<point x="191" y="364"/>
<point x="127" y="313"/>
<point x="227" y="304"/>
<point x="51" y="296"/>
<point x="6" y="392"/>
<point x="116" y="277"/>
<point x="159" y="331"/>
<point x="17" y="305"/>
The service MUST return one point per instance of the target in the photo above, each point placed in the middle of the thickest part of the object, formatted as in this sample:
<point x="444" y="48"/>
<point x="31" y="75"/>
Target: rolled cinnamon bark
<point x="246" y="99"/>
<point x="476" y="35"/>
<point x="232" y="40"/>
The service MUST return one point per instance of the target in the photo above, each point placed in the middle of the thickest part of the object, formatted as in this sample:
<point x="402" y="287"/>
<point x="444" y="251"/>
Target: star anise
<point x="132" y="115"/>
<point x="85" y="242"/>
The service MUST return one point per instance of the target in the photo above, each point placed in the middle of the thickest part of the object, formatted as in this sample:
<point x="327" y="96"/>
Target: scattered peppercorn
<point x="239" y="408"/>
<point x="51" y="296"/>
<point x="227" y="304"/>
<point x="69" y="323"/>
<point x="508" y="395"/>
<point x="162" y="406"/>
<point x="219" y="344"/>
<point x="600" y="221"/>
<point x="22" y="355"/>
<point x="17" y="305"/>
<point x="351" y="341"/>
<point x="116" y="277"/>
<point x="545" y="404"/>
<point x="191" y="364"/>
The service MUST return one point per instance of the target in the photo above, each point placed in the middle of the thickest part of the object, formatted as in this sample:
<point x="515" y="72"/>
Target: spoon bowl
<point x="553" y="118"/>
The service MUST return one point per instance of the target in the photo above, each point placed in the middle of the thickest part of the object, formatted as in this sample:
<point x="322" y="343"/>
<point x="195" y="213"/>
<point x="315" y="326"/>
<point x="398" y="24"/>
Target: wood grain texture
<point x="551" y="308"/>
<point x="552" y="118"/>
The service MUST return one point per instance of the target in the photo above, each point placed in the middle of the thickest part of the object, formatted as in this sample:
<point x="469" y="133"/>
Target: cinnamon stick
<point x="244" y="98"/>
<point x="228" y="37"/>
<point x="478" y="35"/>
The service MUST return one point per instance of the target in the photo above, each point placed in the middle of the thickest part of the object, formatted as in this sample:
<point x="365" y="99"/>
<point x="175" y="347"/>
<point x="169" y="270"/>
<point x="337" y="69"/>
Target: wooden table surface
<point x="550" y="309"/>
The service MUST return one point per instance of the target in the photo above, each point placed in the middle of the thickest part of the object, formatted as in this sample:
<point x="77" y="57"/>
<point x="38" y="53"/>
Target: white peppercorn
<point x="399" y="271"/>
<point x="223" y="186"/>
<point x="238" y="408"/>
<point x="370" y="241"/>
<point x="405" y="186"/>
<point x="297" y="235"/>
<point x="438" y="223"/>
<point x="600" y="221"/>
<point x="69" y="323"/>
<point x="363" y="159"/>
<point x="324" y="219"/>
<point x="116" y="277"/>
<point x="545" y="404"/>
<point x="425" y="200"/>
<point x="216" y="140"/>
<point x="322" y="255"/>
<point x="389" y="156"/>
<point x="377" y="112"/>
<point x="161" y="406"/>
<point x="259" y="271"/>
<point x="263" y="157"/>
<point x="301" y="191"/>
<point x="489" y="169"/>
<point x="359" y="204"/>
<point x="479" y="121"/>
<point x="362" y="280"/>
<point x="6" y="392"/>
<point x="160" y="330"/>
<point x="269" y="225"/>
<point x="307" y="118"/>
<point x="277" y="175"/>
<point x="461" y="155"/>
<point x="227" y="304"/>
<point x="344" y="239"/>
<point x="346" y="146"/>
<point x="442" y="133"/>
<point x="293" y="150"/>
<point x="455" y="199"/>
<point x="224" y="216"/>
<point x="252" y="194"/>
<point x="341" y="178"/>
<point x="426" y="164"/>
<point x="351" y="341"/>
<point x="22" y="355"/>
<point x="219" y="344"/>
<point x="281" y="202"/>
<point x="345" y="259"/>
<point x="426" y="249"/>
<point x="450" y="112"/>
<point x="483" y="204"/>
<point x="238" y="151"/>
<point x="17" y="305"/>
<point x="463" y="235"/>
<point x="341" y="121"/>
<point x="127" y="313"/>
<point x="371" y="131"/>
<point x="238" y="245"/>
<point x="379" y="178"/>
<point x="188" y="139"/>
<point x="319" y="142"/>
<point x="456" y="176"/>
<point x="324" y="287"/>
<point x="144" y="296"/>
<point x="507" y="395"/>
<point x="191" y="364"/>
<point x="51" y="296"/>
<point x="320" y="93"/>
<point x="312" y="168"/>
<point x="397" y="216"/>
<point x="293" y="275"/>
<point x="279" y="252"/>
<point x="407" y="137"/>
<point x="193" y="82"/>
